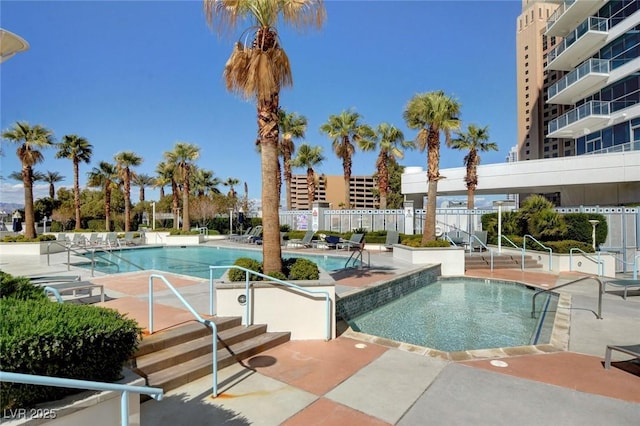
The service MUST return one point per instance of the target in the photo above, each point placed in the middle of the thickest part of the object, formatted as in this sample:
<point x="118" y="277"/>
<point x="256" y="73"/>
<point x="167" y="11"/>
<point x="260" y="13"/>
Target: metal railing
<point x="504" y="237"/>
<point x="31" y="379"/>
<point x="597" y="261"/>
<point x="249" y="300"/>
<point x="475" y="237"/>
<point x="524" y="248"/>
<point x="547" y="290"/>
<point x="111" y="253"/>
<point x="201" y="320"/>
<point x="358" y="253"/>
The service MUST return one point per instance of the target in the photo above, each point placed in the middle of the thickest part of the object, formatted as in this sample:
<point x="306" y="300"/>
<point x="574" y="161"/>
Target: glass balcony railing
<point x="629" y="146"/>
<point x="585" y="110"/>
<point x="592" y="66"/>
<point x="559" y="12"/>
<point x="591" y="24"/>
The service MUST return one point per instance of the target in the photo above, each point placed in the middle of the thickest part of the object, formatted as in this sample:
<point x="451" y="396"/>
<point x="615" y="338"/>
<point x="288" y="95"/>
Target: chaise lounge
<point x="633" y="350"/>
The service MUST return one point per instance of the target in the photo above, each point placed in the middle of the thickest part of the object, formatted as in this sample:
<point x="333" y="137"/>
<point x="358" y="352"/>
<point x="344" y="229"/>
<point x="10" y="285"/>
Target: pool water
<point x="455" y="315"/>
<point x="194" y="261"/>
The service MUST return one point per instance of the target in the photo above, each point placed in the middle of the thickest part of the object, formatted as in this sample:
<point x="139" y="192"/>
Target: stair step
<point x="188" y="371"/>
<point x="184" y="333"/>
<point x="173" y="355"/>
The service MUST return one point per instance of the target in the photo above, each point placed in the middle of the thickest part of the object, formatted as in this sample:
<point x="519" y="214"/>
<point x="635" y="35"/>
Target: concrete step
<point x="483" y="261"/>
<point x="179" y="355"/>
<point x="188" y="371"/>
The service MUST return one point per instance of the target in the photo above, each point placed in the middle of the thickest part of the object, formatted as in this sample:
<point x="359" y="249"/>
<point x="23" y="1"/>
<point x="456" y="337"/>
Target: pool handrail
<point x="249" y="304"/>
<point x="69" y="248"/>
<point x="615" y="254"/>
<point x="471" y="238"/>
<point x="111" y="253"/>
<point x="546" y="290"/>
<point x="358" y="253"/>
<point x="33" y="379"/>
<point x="635" y="266"/>
<point x="598" y="261"/>
<point x="504" y="237"/>
<point x="205" y="322"/>
<point x="524" y="248"/>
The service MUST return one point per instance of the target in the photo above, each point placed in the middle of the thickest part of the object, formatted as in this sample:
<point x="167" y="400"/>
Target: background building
<point x="330" y="189"/>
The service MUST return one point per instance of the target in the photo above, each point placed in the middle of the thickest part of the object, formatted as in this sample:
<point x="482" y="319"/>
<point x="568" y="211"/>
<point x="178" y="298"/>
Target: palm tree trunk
<point x="107" y="207"/>
<point x="433" y="175"/>
<point x="268" y="132"/>
<point x="29" y="219"/>
<point x="161" y="192"/>
<point x="127" y="201"/>
<point x="383" y="180"/>
<point x="311" y="188"/>
<point x="470" y="201"/>
<point x="287" y="180"/>
<point x="76" y="192"/>
<point x="186" y="222"/>
<point x="174" y="199"/>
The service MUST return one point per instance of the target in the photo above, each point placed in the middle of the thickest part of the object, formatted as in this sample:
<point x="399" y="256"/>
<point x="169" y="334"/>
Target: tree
<point x="30" y="140"/>
<point x="258" y="71"/>
<point x="182" y="157"/>
<point x="291" y="126"/>
<point x="231" y="182"/>
<point x="432" y="113"/>
<point x="473" y="140"/>
<point x="124" y="161"/>
<point x="309" y="157"/>
<point x="345" y="129"/>
<point x="166" y="170"/>
<point x="52" y="178"/>
<point x="142" y="180"/>
<point x="203" y="182"/>
<point x="390" y="142"/>
<point x="105" y="176"/>
<point x="76" y="149"/>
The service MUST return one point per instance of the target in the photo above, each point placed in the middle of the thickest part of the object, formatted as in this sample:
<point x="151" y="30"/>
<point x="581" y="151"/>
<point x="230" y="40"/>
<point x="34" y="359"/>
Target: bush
<point x="304" y="269"/>
<point x="565" y="246"/>
<point x="245" y="262"/>
<point x="181" y="232"/>
<point x="417" y="242"/>
<point x="19" y="288"/>
<point x="23" y="239"/>
<point x="61" y="340"/>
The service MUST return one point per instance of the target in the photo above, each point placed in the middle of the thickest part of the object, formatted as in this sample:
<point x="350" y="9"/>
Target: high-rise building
<point x="578" y="67"/>
<point x="330" y="189"/>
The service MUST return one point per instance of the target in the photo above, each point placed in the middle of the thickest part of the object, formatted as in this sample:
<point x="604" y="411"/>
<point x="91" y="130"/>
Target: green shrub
<point x="22" y="239"/>
<point x="304" y="269"/>
<point x="565" y="246"/>
<point x="181" y="232"/>
<point x="56" y="227"/>
<point x="245" y="262"/>
<point x="285" y="228"/>
<point x="278" y="275"/>
<point x="19" y="288"/>
<point x="417" y="242"/>
<point x="61" y="340"/>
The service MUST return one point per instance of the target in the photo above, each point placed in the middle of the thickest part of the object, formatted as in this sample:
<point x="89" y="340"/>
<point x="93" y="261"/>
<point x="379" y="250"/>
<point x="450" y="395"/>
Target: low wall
<point x="30" y="249"/>
<point x="451" y="259"/>
<point x="576" y="262"/>
<point x="282" y="308"/>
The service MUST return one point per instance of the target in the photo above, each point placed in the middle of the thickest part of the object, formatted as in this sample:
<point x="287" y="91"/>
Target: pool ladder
<point x="601" y="290"/>
<point x="358" y="255"/>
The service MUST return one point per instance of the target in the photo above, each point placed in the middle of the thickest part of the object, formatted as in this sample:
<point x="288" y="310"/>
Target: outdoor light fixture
<point x="594" y="223"/>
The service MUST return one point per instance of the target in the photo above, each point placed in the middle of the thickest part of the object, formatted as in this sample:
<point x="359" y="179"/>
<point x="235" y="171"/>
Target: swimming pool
<point x="190" y="260"/>
<point x="458" y="315"/>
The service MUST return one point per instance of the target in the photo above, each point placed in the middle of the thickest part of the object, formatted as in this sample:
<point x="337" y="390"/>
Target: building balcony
<point x="581" y="120"/>
<point x="589" y="77"/>
<point x="569" y="14"/>
<point x="579" y="44"/>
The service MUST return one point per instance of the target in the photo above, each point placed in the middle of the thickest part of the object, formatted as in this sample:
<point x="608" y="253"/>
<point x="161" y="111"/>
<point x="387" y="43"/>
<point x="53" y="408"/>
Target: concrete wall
<point x="451" y="259"/>
<point x="282" y="308"/>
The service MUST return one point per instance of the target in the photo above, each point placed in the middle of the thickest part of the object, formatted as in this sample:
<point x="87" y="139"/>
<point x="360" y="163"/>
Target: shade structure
<point x="10" y="44"/>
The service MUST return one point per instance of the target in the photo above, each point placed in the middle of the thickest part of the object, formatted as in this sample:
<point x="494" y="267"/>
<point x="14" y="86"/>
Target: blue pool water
<point x="193" y="261"/>
<point x="456" y="314"/>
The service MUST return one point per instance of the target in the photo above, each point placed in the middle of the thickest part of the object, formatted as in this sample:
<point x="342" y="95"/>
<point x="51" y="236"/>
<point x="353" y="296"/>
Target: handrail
<point x="599" y="262"/>
<point x="249" y="305"/>
<point x="635" y="266"/>
<point x="516" y="246"/>
<point x="614" y="254"/>
<point x="524" y="248"/>
<point x="32" y="379"/>
<point x="207" y="323"/>
<point x="111" y="253"/>
<point x="600" y="283"/>
<point x="359" y="256"/>
<point x="471" y="237"/>
<point x="68" y="246"/>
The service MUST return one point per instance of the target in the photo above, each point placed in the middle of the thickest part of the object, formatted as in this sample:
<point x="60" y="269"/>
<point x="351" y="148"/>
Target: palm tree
<point x="76" y="149"/>
<point x="166" y="170"/>
<point x="473" y="140"/>
<point x="182" y="157"/>
<point x="291" y="126"/>
<point x="258" y="71"/>
<point x="203" y="182"/>
<point x="142" y="181"/>
<point x="432" y="113"/>
<point x="345" y="129"/>
<point x="29" y="139"/>
<point x="164" y="176"/>
<point x="104" y="176"/>
<point x="231" y="182"/>
<point x="309" y="157"/>
<point x="52" y="178"/>
<point x="391" y="141"/>
<point x="124" y="161"/>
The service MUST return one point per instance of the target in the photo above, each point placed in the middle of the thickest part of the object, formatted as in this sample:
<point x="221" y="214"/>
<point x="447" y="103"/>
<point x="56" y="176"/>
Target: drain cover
<point x="498" y="363"/>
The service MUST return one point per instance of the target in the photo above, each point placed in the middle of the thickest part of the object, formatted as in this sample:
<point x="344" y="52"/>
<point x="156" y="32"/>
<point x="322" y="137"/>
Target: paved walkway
<point x="354" y="382"/>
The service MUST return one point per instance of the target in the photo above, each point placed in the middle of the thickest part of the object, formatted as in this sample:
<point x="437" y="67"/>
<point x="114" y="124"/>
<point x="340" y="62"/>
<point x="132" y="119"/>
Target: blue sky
<point x="143" y="75"/>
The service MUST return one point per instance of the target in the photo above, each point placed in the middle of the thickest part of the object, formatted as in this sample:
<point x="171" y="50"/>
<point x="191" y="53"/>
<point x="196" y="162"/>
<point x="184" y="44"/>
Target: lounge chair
<point x="253" y="236"/>
<point x="356" y="241"/>
<point x="480" y="240"/>
<point x="94" y="240"/>
<point x="626" y="284"/>
<point x="79" y="240"/>
<point x="58" y="289"/>
<point x="112" y="241"/>
<point x="393" y="237"/>
<point x="633" y="350"/>
<point x="129" y="239"/>
<point x="246" y="234"/>
<point x="305" y="241"/>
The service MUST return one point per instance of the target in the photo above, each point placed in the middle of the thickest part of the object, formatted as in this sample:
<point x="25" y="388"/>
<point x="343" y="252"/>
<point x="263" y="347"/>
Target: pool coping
<point x="558" y="341"/>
